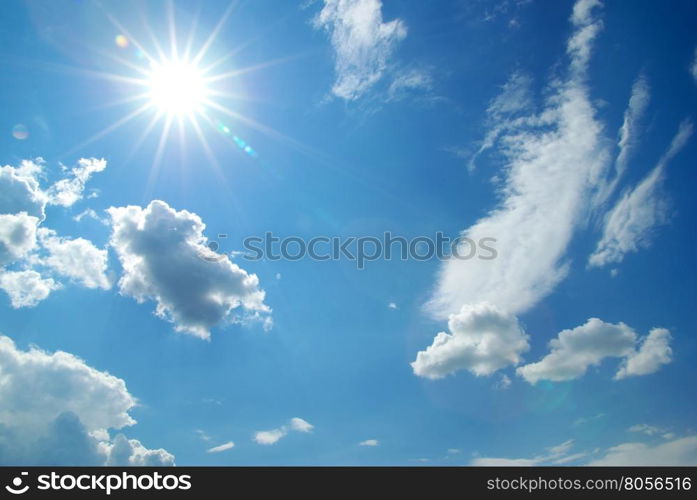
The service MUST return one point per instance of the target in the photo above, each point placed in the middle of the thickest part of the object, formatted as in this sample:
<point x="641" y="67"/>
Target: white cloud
<point x="503" y="383"/>
<point x="56" y="409"/>
<point x="407" y="82"/>
<point x="369" y="442"/>
<point x="90" y="213"/>
<point x="392" y="305"/>
<point x="270" y="437"/>
<point x="693" y="67"/>
<point x="575" y="350"/>
<point x="22" y="218"/>
<point x="628" y="138"/>
<point x="362" y="43"/>
<point x="17" y="236"/>
<point x="482" y="339"/>
<point x="20" y="191"/>
<point x="555" y="455"/>
<point x="223" y="447"/>
<point x="300" y="425"/>
<point x="654" y="352"/>
<point x="68" y="191"/>
<point x="77" y="259"/>
<point x="124" y="452"/>
<point x="680" y="451"/>
<point x="26" y="288"/>
<point x="630" y="223"/>
<point x="161" y="252"/>
<point x="274" y="435"/>
<point x="554" y="160"/>
<point x="649" y="430"/>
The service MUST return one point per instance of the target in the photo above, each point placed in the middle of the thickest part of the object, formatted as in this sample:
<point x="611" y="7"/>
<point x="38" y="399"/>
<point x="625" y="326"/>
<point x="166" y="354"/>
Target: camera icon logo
<point x="16" y="487"/>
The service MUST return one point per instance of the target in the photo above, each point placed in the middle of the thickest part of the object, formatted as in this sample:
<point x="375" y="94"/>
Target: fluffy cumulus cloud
<point x="26" y="288"/>
<point x="77" y="259"/>
<point x="32" y="256"/>
<point x="274" y="435"/>
<point x="629" y="225"/>
<point x="58" y="410"/>
<point x="482" y="340"/>
<point x="573" y="351"/>
<point x="363" y="44"/>
<point x="653" y="353"/>
<point x="162" y="252"/>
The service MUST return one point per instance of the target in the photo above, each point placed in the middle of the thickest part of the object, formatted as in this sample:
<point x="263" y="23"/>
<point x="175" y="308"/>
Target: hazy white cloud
<point x="77" y="259"/>
<point x="680" y="451"/>
<point x="693" y="66"/>
<point x="274" y="435"/>
<point x="300" y="425"/>
<point x="544" y="199"/>
<point x="392" y="305"/>
<point x="363" y="44"/>
<point x="503" y="383"/>
<point x="223" y="447"/>
<point x="555" y="455"/>
<point x="651" y="430"/>
<point x="56" y="409"/>
<point x="369" y="442"/>
<point x="162" y="252"/>
<point x="573" y="351"/>
<point x="482" y="339"/>
<point x="409" y="81"/>
<point x="630" y="224"/>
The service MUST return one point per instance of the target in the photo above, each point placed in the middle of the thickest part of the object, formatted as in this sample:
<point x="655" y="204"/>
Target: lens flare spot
<point x="121" y="41"/>
<point x="20" y="132"/>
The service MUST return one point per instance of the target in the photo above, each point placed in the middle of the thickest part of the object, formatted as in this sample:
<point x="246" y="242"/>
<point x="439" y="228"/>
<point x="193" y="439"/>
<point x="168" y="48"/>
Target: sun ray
<point x="171" y="25"/>
<point x="155" y="169"/>
<point x="118" y="124"/>
<point x="211" y="38"/>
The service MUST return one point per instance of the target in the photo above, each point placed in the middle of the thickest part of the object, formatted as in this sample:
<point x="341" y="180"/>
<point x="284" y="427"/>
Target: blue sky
<point x="563" y="130"/>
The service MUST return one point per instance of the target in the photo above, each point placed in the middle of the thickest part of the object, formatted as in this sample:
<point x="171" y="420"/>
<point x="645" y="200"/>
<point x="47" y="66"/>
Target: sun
<point x="177" y="87"/>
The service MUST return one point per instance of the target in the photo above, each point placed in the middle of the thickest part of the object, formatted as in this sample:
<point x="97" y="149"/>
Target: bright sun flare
<point x="177" y="87"/>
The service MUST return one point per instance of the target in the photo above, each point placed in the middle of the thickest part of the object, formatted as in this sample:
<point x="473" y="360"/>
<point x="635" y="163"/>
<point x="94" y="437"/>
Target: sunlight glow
<point x="177" y="87"/>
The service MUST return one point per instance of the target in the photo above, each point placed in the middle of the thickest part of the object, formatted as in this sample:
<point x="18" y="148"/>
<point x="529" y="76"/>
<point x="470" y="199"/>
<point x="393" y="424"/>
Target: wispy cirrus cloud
<point x="630" y="224"/>
<point x="543" y="198"/>
<point x="363" y="44"/>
